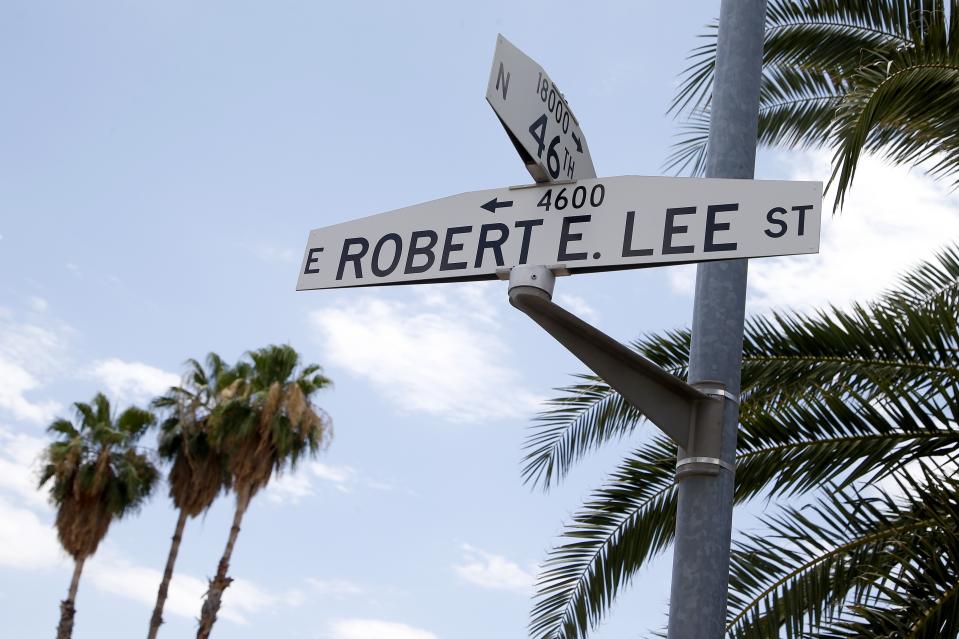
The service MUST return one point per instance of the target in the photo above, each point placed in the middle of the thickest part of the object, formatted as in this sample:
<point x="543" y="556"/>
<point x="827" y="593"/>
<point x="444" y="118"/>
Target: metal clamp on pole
<point x="702" y="456"/>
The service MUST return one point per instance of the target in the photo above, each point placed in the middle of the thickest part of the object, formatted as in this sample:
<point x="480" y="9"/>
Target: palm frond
<point x="586" y="416"/>
<point x="936" y="279"/>
<point x="813" y="55"/>
<point x="821" y="567"/>
<point x="798" y="450"/>
<point x="621" y="527"/>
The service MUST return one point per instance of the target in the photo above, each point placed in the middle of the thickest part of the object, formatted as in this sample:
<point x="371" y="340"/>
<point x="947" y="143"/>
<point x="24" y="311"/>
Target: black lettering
<point x="397" y="251"/>
<point x="712" y="226"/>
<point x="426" y="251"/>
<point x="504" y="77"/>
<point x="565" y="237"/>
<point x="450" y="247"/>
<point x="312" y="259"/>
<point x="802" y="217"/>
<point x="346" y="256"/>
<point x="496" y="245"/>
<point x="782" y="225"/>
<point x="527" y="226"/>
<point x="671" y="230"/>
<point x="628" y="250"/>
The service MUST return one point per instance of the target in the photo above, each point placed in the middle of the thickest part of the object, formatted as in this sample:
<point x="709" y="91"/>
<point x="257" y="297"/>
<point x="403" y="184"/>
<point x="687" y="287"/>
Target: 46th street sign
<point x="588" y="225"/>
<point x="537" y="117"/>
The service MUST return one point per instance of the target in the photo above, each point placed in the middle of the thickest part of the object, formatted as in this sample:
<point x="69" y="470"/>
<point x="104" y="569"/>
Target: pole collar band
<point x="706" y="460"/>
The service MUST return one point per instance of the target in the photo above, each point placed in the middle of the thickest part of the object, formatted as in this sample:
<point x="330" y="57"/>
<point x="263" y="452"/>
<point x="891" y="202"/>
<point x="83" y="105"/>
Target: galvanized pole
<point x="697" y="603"/>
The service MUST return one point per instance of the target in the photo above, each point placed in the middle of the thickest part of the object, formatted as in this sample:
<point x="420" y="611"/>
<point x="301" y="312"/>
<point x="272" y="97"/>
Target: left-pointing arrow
<point x="492" y="205"/>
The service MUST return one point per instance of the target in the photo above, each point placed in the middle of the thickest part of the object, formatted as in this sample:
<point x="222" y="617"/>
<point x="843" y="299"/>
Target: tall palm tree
<point x="96" y="475"/>
<point x="269" y="423"/>
<point x="198" y="472"/>
<point x="879" y="76"/>
<point x="835" y="404"/>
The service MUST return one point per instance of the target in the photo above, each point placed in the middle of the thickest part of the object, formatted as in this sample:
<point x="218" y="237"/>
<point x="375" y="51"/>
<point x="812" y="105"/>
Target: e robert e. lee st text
<point x="421" y="255"/>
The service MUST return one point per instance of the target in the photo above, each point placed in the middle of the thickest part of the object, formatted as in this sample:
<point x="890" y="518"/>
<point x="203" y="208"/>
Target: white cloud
<point x="292" y="487"/>
<point x="19" y="455"/>
<point x="27" y="354"/>
<point x="132" y="381"/>
<point x="289" y="488"/>
<point x="892" y="219"/>
<point x="26" y="542"/>
<point x="335" y="588"/>
<point x="487" y="570"/>
<point x="38" y="304"/>
<point x="375" y="629"/>
<point x="682" y="278"/>
<point x="17" y="382"/>
<point x="578" y="306"/>
<point x="114" y="574"/>
<point x="339" y="475"/>
<point x="436" y="356"/>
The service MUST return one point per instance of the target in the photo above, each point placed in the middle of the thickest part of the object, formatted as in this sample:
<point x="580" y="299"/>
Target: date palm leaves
<point x="833" y="401"/>
<point x="855" y="563"/>
<point x="879" y="76"/>
<point x="96" y="475"/>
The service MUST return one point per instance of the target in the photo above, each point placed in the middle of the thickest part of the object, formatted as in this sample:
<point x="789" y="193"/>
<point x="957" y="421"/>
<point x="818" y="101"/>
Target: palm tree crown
<point x="198" y="470"/>
<point x="269" y="422"/>
<point x="95" y="473"/>
<point x="264" y="423"/>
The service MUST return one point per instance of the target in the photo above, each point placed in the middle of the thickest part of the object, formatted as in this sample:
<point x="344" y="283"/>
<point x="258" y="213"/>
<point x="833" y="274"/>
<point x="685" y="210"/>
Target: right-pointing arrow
<point x="579" y="145"/>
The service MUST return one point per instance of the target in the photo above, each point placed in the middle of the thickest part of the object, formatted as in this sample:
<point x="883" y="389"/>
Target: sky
<point x="161" y="167"/>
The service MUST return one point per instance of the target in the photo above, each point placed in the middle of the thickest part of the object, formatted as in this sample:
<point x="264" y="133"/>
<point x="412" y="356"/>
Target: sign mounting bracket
<point x="690" y="415"/>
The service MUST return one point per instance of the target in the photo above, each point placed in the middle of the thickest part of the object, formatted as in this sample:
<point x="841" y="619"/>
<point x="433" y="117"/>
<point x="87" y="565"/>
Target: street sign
<point x="590" y="225"/>
<point x="537" y="117"/>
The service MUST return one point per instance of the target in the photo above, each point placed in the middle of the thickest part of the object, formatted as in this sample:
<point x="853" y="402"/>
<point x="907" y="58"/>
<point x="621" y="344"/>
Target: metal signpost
<point x="537" y="117"/>
<point x="532" y="234"/>
<point x="704" y="506"/>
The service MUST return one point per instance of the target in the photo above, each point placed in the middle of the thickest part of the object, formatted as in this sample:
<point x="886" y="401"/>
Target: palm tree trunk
<point x="67" y="609"/>
<point x="157" y="617"/>
<point x="220" y="583"/>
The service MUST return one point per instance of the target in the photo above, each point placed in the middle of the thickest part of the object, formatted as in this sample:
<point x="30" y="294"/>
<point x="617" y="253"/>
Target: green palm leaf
<point x="830" y="398"/>
<point x="873" y="75"/>
<point x="817" y="570"/>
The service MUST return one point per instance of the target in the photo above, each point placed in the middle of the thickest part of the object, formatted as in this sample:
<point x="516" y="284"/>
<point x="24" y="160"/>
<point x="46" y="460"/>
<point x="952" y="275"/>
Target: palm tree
<point x="96" y="475"/>
<point x="198" y="470"/>
<point x="879" y="76"/>
<point x="838" y="406"/>
<point x="269" y="423"/>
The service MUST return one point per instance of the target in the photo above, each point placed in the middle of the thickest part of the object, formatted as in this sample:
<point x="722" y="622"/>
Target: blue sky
<point x="161" y="166"/>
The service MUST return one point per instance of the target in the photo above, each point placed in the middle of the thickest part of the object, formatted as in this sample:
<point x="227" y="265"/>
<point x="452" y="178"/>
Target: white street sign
<point x="589" y="225"/>
<point x="537" y="117"/>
